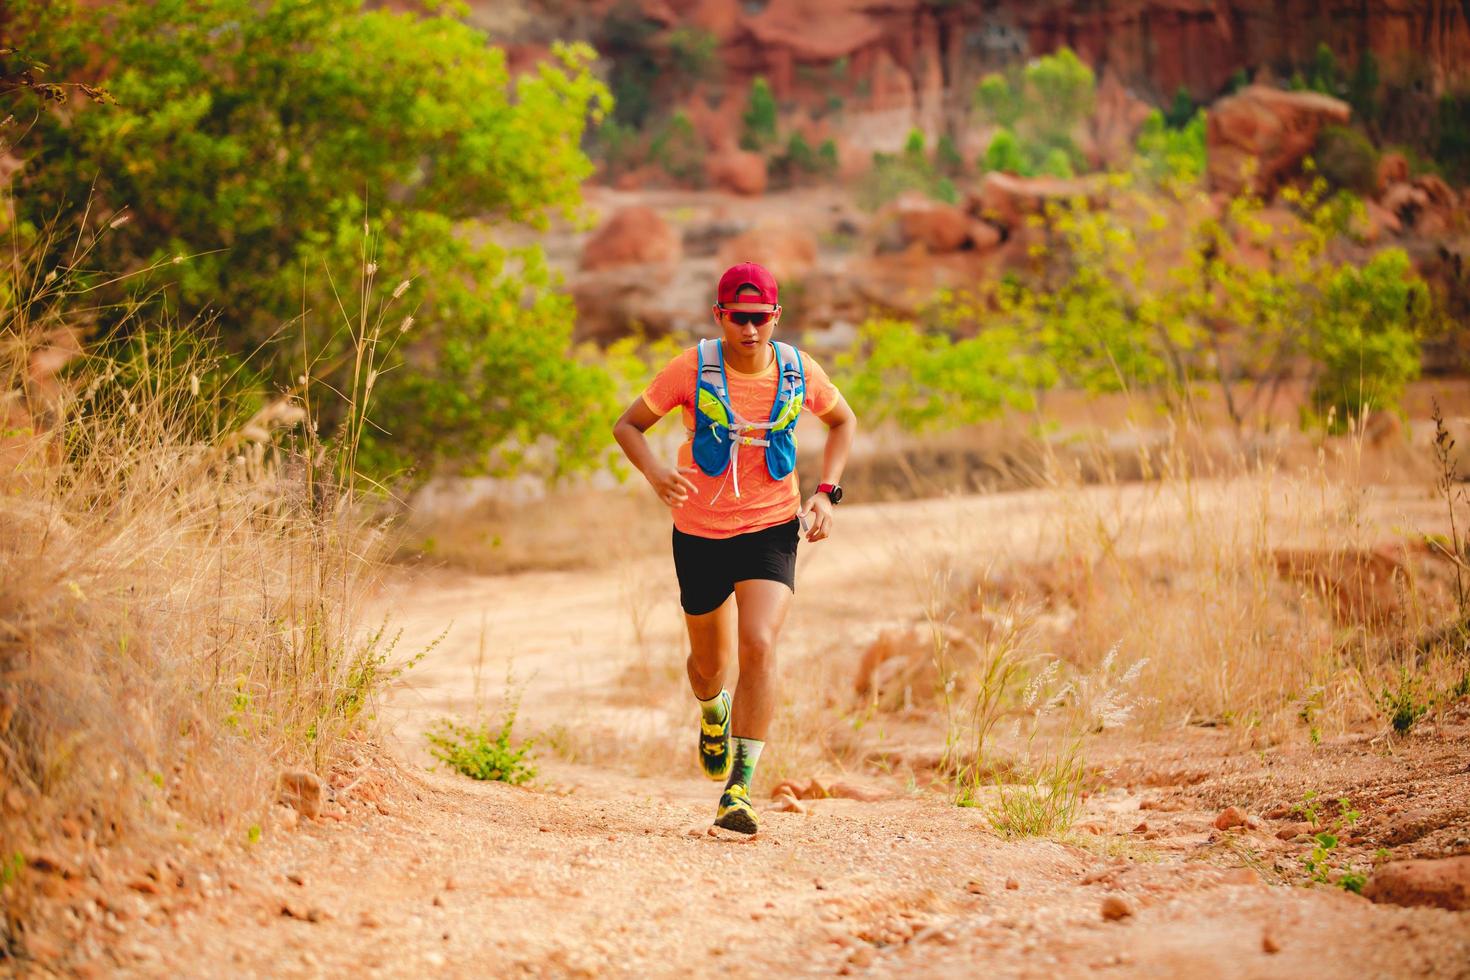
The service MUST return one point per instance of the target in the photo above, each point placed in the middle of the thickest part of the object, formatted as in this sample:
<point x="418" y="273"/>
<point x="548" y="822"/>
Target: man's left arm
<point x="841" y="429"/>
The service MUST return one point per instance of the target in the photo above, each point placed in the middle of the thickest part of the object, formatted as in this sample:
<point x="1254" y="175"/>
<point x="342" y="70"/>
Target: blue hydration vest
<point x="719" y="431"/>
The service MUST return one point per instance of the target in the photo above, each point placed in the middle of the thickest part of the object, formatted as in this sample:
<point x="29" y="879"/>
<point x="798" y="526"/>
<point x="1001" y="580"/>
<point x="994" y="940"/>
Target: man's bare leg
<point x="710" y="649"/>
<point x="711" y="643"/>
<point x="762" y="607"/>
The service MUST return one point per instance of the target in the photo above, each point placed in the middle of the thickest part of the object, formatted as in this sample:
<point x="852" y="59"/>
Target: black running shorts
<point x="708" y="568"/>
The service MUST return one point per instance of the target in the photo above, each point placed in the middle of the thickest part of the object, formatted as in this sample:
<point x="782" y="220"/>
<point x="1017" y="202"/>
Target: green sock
<point x="742" y="768"/>
<point x="716" y="709"/>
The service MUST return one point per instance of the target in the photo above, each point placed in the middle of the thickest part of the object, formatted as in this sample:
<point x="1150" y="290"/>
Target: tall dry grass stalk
<point x="180" y="584"/>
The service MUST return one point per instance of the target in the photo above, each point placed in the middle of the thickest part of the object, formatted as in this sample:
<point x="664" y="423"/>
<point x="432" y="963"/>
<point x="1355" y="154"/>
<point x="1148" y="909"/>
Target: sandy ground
<point x="598" y="871"/>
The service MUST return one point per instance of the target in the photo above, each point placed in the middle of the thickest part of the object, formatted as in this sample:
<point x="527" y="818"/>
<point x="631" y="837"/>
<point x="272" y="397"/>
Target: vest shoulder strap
<point x="792" y="371"/>
<point x="712" y="368"/>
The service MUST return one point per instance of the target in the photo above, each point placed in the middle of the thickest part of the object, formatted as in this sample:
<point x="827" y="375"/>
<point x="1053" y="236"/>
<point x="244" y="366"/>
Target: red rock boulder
<point x="1005" y="200"/>
<point x="738" y="171"/>
<point x="1443" y="883"/>
<point x="632" y="236"/>
<point x="1258" y="137"/>
<point x="788" y="251"/>
<point x="1392" y="169"/>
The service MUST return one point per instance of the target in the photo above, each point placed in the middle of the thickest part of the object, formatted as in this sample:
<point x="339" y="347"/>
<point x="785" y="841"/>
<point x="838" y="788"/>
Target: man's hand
<point x="671" y="485"/>
<point x="819" y="509"/>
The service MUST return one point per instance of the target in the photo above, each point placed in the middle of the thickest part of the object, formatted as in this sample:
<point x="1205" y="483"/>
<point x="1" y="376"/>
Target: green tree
<point x="1325" y="76"/>
<point x="1041" y="106"/>
<point x="1004" y="153"/>
<point x="1167" y="153"/>
<point x="1365" y="335"/>
<point x="1181" y="110"/>
<point x="286" y="152"/>
<point x="760" y="116"/>
<point x="1347" y="159"/>
<point x="627" y="41"/>
<point x="1363" y="89"/>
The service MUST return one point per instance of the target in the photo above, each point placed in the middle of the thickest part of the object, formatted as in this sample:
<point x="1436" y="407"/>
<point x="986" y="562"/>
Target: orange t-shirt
<point x="714" y="511"/>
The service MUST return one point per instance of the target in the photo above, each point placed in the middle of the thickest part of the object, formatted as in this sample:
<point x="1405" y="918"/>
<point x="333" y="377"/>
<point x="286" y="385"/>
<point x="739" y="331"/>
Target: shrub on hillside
<point x="1347" y="159"/>
<point x="1125" y="299"/>
<point x="893" y="174"/>
<point x="1170" y="154"/>
<point x="1039" y="107"/>
<point x="1365" y="336"/>
<point x="181" y="578"/>
<point x="253" y="142"/>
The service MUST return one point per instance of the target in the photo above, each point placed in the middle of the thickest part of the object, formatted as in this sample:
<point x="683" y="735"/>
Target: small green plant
<point x="480" y="754"/>
<point x="1311" y="707"/>
<point x="1405" y="704"/>
<point x="11" y="868"/>
<point x="1319" y="862"/>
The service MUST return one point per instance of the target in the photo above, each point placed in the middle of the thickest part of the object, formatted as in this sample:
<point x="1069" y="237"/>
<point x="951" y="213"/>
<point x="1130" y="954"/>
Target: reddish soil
<point x="596" y="870"/>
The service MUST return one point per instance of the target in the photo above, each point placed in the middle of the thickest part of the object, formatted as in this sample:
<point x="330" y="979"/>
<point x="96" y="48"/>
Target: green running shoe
<point x="736" y="813"/>
<point x="714" y="743"/>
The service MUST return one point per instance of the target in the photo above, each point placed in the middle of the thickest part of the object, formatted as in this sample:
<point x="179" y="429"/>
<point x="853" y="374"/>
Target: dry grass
<point x="179" y="590"/>
<point x="572" y="527"/>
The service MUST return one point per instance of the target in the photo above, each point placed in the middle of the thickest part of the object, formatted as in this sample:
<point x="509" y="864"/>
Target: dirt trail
<point x="599" y="872"/>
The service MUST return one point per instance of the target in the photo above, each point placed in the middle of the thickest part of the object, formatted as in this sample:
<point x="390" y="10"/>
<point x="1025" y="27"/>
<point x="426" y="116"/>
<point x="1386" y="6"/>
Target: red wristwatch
<point x="832" y="490"/>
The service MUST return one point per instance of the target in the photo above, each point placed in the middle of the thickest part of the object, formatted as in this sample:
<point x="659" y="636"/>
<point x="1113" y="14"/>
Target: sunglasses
<point x="743" y="318"/>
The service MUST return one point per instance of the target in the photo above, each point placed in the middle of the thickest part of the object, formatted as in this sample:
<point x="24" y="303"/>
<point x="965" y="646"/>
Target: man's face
<point x="747" y="325"/>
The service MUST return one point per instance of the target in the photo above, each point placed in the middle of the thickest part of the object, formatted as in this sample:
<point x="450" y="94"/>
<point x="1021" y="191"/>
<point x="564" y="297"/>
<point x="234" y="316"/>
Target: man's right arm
<point x="671" y="485"/>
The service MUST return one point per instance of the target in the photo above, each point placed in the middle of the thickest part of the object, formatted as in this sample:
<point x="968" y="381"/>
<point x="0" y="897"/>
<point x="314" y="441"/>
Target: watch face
<point x="835" y="495"/>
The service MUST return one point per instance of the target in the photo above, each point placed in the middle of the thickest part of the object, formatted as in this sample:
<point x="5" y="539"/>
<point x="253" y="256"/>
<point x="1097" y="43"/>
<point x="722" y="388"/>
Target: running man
<point x="737" y="511"/>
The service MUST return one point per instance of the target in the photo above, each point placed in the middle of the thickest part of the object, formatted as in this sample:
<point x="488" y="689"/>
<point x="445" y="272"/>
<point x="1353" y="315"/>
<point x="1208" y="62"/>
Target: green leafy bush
<point x="893" y="174"/>
<point x="1039" y="107"/>
<point x="1347" y="159"/>
<point x="759" y="119"/>
<point x="694" y="53"/>
<point x="1167" y="153"/>
<point x="928" y="379"/>
<point x="1365" y="336"/>
<point x="678" y="149"/>
<point x="272" y="158"/>
<point x="479" y="753"/>
<point x="1111" y="303"/>
<point x="1004" y="153"/>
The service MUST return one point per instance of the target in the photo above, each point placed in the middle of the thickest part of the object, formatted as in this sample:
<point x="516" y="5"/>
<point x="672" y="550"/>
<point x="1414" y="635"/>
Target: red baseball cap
<point x="747" y="275"/>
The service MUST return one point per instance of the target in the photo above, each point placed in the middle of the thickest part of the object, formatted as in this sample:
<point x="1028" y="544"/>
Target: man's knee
<point x="757" y="645"/>
<point x="706" y="664"/>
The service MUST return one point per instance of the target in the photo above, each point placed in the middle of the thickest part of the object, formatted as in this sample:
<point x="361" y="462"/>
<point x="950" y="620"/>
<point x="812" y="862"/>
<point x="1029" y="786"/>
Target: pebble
<point x="1116" y="907"/>
<point x="1269" y="942"/>
<point x="1231" y="816"/>
<point x="302" y="791"/>
<point x="1012" y="884"/>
